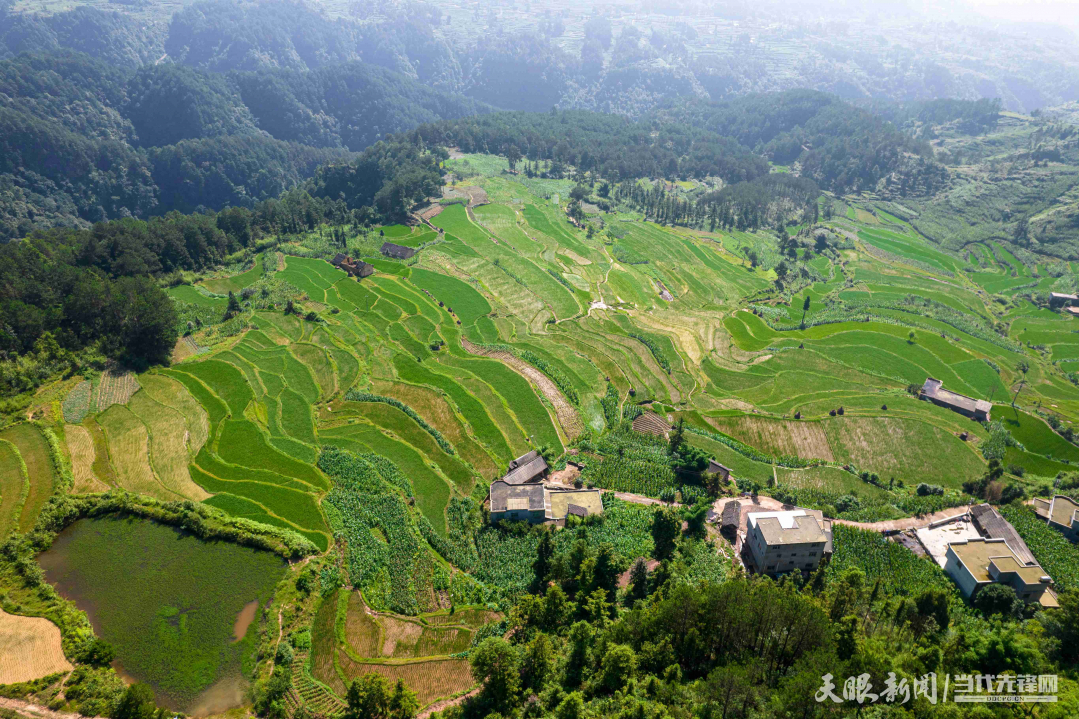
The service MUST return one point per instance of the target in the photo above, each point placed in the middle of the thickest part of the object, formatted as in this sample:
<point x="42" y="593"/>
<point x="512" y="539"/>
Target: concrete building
<point x="527" y="469"/>
<point x="577" y="502"/>
<point x="1061" y="513"/>
<point x="787" y="541"/>
<point x="974" y="563"/>
<point x="977" y="409"/>
<point x="526" y="502"/>
<point x="537" y="503"/>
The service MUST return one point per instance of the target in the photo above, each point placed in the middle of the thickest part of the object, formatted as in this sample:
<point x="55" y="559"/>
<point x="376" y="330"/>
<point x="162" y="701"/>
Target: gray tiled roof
<point x="527" y="472"/>
<point x="502" y="493"/>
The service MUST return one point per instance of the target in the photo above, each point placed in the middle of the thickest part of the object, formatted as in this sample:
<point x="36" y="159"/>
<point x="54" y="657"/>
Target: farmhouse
<point x="397" y="252"/>
<point x="787" y="541"/>
<point x="977" y="409"/>
<point x="537" y="503"/>
<point x="527" y="469"/>
<point x="991" y="525"/>
<point x="715" y="467"/>
<point x="1059" y="299"/>
<point x="527" y="502"/>
<point x="651" y="423"/>
<point x="355" y="268"/>
<point x="1062" y="514"/>
<point x="974" y="563"/>
<point x="730" y="518"/>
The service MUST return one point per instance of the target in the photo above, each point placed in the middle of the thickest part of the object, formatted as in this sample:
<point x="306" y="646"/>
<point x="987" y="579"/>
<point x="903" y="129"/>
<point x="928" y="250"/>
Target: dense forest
<point x="842" y="148"/>
<point x="608" y="145"/>
<point x="83" y="141"/>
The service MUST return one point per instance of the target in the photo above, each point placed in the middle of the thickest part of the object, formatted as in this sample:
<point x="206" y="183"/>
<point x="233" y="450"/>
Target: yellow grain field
<point x="431" y="680"/>
<point x="29" y="649"/>
<point x="173" y="394"/>
<point x="80" y="445"/>
<point x="807" y="440"/>
<point x="129" y="448"/>
<point x="168" y="446"/>
<point x="361" y="629"/>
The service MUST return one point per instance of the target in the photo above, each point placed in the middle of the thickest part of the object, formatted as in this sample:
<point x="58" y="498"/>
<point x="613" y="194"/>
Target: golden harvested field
<point x="474" y="618"/>
<point x="173" y="394"/>
<point x="399" y="632"/>
<point x="168" y="446"/>
<point x="29" y="649"/>
<point x="430" y="680"/>
<point x="361" y="629"/>
<point x="80" y="445"/>
<point x="776" y="436"/>
<point x="129" y="447"/>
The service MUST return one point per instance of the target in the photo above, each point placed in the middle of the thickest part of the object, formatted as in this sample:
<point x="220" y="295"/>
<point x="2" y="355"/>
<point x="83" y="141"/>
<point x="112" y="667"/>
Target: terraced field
<point x="372" y="417"/>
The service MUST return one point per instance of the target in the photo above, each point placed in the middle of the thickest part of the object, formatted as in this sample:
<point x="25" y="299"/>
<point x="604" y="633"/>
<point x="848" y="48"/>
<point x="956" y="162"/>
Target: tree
<point x="619" y="666"/>
<point x="513" y="156"/>
<point x="368" y="698"/>
<point x="666" y="527"/>
<point x="495" y="665"/>
<point x="805" y="308"/>
<point x="996" y="599"/>
<point x="638" y="580"/>
<point x="541" y="567"/>
<point x="99" y="653"/>
<point x="933" y="603"/>
<point x="137" y="702"/>
<point x="539" y="662"/>
<point x="233" y="308"/>
<point x="696" y="516"/>
<point x="606" y="571"/>
<point x="677" y="441"/>
<point x="403" y="703"/>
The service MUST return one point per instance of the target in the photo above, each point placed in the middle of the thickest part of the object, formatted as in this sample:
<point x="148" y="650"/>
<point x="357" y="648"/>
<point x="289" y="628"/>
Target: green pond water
<point x="179" y="611"/>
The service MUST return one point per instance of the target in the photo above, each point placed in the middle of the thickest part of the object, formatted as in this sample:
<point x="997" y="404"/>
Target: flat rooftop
<point x="587" y="499"/>
<point x="789" y="527"/>
<point x="977" y="554"/>
<point x="1063" y="509"/>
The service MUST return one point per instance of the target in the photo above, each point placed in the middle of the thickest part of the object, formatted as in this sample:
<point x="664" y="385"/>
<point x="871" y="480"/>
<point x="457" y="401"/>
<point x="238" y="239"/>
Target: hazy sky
<point x="1063" y="12"/>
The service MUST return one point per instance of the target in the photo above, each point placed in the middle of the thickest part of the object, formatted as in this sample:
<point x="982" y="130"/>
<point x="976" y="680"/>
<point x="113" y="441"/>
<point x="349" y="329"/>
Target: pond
<point x="181" y="613"/>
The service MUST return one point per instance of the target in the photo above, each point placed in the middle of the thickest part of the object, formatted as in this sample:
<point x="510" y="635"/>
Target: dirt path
<point x="907" y="522"/>
<point x="444" y="704"/>
<point x="34" y="711"/>
<point x="568" y="418"/>
<point x="641" y="499"/>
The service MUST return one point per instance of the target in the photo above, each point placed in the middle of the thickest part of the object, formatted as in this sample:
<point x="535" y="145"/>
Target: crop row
<point x="900" y="571"/>
<point x="655" y="349"/>
<point x="386" y="556"/>
<point x="1058" y="556"/>
<point x="357" y="396"/>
